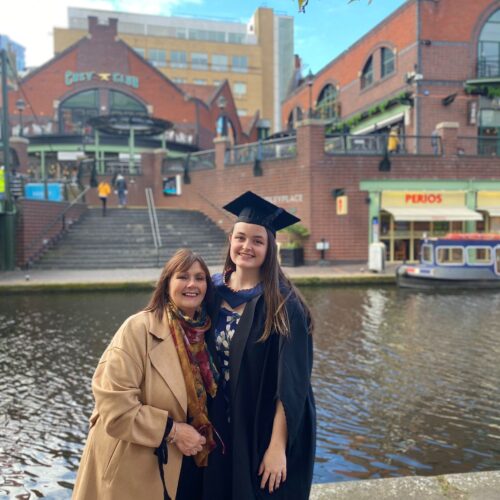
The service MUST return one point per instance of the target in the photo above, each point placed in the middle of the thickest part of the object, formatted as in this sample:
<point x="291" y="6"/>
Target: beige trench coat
<point x="138" y="383"/>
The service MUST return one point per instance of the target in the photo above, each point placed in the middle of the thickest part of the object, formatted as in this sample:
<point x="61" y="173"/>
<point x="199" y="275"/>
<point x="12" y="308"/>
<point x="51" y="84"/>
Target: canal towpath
<point x="138" y="278"/>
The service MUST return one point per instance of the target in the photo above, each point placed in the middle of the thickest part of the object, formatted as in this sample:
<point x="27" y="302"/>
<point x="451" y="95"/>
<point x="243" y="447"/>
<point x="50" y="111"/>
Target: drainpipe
<point x="418" y="69"/>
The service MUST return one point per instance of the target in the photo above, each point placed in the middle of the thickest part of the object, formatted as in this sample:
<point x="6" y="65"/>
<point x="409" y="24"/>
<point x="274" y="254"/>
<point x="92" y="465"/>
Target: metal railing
<point x="153" y="220"/>
<point x="488" y="67"/>
<point x="275" y="149"/>
<point x="111" y="166"/>
<point x="478" y="146"/>
<point x="202" y="160"/>
<point x="377" y="144"/>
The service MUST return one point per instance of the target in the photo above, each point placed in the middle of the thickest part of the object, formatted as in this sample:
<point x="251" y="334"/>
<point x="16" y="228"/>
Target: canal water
<point x="406" y="383"/>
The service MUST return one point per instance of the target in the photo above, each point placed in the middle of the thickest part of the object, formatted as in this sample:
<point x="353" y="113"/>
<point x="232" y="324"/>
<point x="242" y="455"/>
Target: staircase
<point x="123" y="239"/>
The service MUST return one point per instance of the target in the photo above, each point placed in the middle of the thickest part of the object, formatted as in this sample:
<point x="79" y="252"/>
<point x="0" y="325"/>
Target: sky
<point x="326" y="29"/>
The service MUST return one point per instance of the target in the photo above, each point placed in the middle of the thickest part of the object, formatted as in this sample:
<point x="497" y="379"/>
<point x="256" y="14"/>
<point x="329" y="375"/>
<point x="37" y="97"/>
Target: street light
<point x="310" y="84"/>
<point x="221" y="103"/>
<point x="20" y="106"/>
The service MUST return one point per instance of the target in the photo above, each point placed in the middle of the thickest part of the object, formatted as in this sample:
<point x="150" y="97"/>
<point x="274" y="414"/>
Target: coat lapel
<point x="165" y="360"/>
<point x="239" y="342"/>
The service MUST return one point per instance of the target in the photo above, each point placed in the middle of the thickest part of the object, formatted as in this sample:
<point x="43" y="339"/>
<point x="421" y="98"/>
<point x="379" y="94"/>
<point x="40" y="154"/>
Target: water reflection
<point x="406" y="383"/>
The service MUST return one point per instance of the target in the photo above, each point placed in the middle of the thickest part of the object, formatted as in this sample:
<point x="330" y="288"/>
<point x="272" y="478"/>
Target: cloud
<point x="31" y="22"/>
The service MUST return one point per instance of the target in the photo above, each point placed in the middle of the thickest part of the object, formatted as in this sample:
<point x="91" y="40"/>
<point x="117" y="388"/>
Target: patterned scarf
<point x="198" y="370"/>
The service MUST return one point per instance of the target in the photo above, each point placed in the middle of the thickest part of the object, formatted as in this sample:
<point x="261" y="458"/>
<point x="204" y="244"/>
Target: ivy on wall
<point x="402" y="98"/>
<point x="491" y="91"/>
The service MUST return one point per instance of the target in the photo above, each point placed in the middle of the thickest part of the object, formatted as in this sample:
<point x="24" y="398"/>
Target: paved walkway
<point x="134" y="278"/>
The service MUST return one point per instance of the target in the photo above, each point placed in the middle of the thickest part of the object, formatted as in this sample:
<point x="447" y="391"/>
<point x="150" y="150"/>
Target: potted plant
<point x="292" y="250"/>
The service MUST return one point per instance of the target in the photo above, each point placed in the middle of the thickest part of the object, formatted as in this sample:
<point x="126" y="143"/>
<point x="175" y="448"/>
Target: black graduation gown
<point x="260" y="374"/>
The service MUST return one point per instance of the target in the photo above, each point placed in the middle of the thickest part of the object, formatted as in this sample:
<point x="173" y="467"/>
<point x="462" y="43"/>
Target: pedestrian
<point x="264" y="409"/>
<point x="103" y="190"/>
<point x="121" y="190"/>
<point x="393" y="141"/>
<point x="149" y="432"/>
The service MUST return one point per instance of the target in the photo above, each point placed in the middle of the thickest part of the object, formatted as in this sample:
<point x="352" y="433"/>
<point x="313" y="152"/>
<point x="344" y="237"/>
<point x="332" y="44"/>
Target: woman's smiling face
<point x="248" y="245"/>
<point x="187" y="289"/>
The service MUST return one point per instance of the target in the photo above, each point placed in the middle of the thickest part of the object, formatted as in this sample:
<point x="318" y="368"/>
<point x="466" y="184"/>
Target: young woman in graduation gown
<point x="149" y="433"/>
<point x="261" y="340"/>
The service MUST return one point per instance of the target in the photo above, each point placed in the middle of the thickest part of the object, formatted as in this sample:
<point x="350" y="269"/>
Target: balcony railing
<point x="478" y="146"/>
<point x="488" y="67"/>
<point x="275" y="149"/>
<point x="377" y="144"/>
<point x="202" y="160"/>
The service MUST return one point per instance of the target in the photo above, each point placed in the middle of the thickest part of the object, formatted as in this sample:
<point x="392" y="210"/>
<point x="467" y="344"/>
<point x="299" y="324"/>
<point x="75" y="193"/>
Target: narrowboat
<point x="455" y="261"/>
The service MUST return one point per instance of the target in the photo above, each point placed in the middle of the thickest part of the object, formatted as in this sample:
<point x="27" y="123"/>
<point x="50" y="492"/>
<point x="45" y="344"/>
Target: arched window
<point x="326" y="106"/>
<point x="76" y="110"/>
<point x="230" y="131"/>
<point x="488" y="57"/>
<point x="123" y="104"/>
<point x="294" y="117"/>
<point x="386" y="61"/>
<point x="367" y="73"/>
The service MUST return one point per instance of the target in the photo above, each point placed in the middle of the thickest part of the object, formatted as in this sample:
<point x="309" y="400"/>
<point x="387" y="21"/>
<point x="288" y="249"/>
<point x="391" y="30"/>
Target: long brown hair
<point x="180" y="262"/>
<point x="277" y="290"/>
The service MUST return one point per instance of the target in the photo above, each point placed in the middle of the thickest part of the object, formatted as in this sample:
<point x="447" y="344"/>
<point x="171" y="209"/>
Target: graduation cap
<point x="253" y="209"/>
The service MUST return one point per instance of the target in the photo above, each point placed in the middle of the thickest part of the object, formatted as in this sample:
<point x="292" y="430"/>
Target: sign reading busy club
<point x="71" y="77"/>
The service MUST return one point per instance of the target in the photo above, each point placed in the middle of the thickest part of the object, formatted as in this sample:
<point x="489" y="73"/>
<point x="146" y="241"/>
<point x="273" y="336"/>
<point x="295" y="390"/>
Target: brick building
<point x="430" y="61"/>
<point x="255" y="57"/>
<point x="101" y="75"/>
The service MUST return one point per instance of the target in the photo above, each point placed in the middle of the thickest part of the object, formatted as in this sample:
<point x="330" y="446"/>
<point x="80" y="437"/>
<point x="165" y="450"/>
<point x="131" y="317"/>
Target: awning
<point x="433" y="213"/>
<point x="381" y="120"/>
<point x="493" y="212"/>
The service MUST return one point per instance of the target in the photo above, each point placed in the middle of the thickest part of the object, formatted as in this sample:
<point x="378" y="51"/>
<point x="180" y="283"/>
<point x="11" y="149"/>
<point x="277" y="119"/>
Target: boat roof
<point x="467" y="237"/>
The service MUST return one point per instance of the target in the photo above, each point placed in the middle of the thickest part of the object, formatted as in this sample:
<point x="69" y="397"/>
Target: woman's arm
<point x="273" y="465"/>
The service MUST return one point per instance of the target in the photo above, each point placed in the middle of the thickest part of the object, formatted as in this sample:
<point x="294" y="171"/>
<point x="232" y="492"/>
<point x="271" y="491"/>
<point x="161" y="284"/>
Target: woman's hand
<point x="188" y="439"/>
<point x="273" y="467"/>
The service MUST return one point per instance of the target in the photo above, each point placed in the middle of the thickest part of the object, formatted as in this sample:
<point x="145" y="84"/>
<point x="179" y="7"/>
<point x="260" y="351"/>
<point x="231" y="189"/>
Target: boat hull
<point x="429" y="283"/>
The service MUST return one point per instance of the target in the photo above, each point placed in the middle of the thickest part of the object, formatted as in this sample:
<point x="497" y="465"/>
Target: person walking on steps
<point x="103" y="190"/>
<point x="121" y="190"/>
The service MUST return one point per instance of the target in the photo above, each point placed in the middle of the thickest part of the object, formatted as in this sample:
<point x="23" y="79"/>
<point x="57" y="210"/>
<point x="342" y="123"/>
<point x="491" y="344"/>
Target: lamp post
<point x="309" y="85"/>
<point x="20" y="106"/>
<point x="221" y="103"/>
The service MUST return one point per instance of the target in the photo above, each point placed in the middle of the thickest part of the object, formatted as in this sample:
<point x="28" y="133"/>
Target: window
<point x="240" y="64"/>
<point x="326" y="108"/>
<point x="178" y="59"/>
<point x="367" y="74"/>
<point x="199" y="60"/>
<point x="180" y="33"/>
<point x="199" y="81"/>
<point x="478" y="256"/>
<point x="488" y="59"/>
<point x="450" y="256"/>
<point x="179" y="80"/>
<point x="242" y="112"/>
<point x="120" y="103"/>
<point x="386" y="61"/>
<point x="217" y="82"/>
<point x="219" y="62"/>
<point x="235" y="38"/>
<point x="239" y="89"/>
<point x="427" y="254"/>
<point x="76" y="110"/>
<point x="157" y="57"/>
<point x="141" y="52"/>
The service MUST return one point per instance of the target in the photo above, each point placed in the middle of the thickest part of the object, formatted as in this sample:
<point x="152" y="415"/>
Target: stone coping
<point x="468" y="486"/>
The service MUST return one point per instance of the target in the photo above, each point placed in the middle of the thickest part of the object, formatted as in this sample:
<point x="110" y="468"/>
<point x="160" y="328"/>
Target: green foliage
<point x="296" y="234"/>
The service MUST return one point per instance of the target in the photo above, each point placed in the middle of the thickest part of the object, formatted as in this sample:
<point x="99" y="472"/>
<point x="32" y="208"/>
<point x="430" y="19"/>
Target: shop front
<point x="403" y="212"/>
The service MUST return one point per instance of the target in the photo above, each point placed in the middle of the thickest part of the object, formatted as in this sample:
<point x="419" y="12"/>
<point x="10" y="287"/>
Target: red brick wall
<point x="35" y="217"/>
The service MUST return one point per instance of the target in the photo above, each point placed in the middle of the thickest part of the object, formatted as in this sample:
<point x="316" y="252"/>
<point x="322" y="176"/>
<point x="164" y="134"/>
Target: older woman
<point x="149" y="432"/>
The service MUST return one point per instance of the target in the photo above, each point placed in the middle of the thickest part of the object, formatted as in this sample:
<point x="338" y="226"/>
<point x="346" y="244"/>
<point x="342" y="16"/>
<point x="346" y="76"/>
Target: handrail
<point x="219" y="209"/>
<point x="153" y="220"/>
<point x="51" y="224"/>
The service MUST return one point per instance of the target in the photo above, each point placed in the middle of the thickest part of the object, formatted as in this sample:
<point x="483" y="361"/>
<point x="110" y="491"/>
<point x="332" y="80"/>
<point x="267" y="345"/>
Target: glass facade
<point x="489" y="48"/>
<point x="386" y="62"/>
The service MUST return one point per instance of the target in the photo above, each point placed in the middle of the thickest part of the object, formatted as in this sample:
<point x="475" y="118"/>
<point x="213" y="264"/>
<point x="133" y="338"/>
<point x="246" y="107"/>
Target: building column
<point x="221" y="145"/>
<point x="448" y="131"/>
